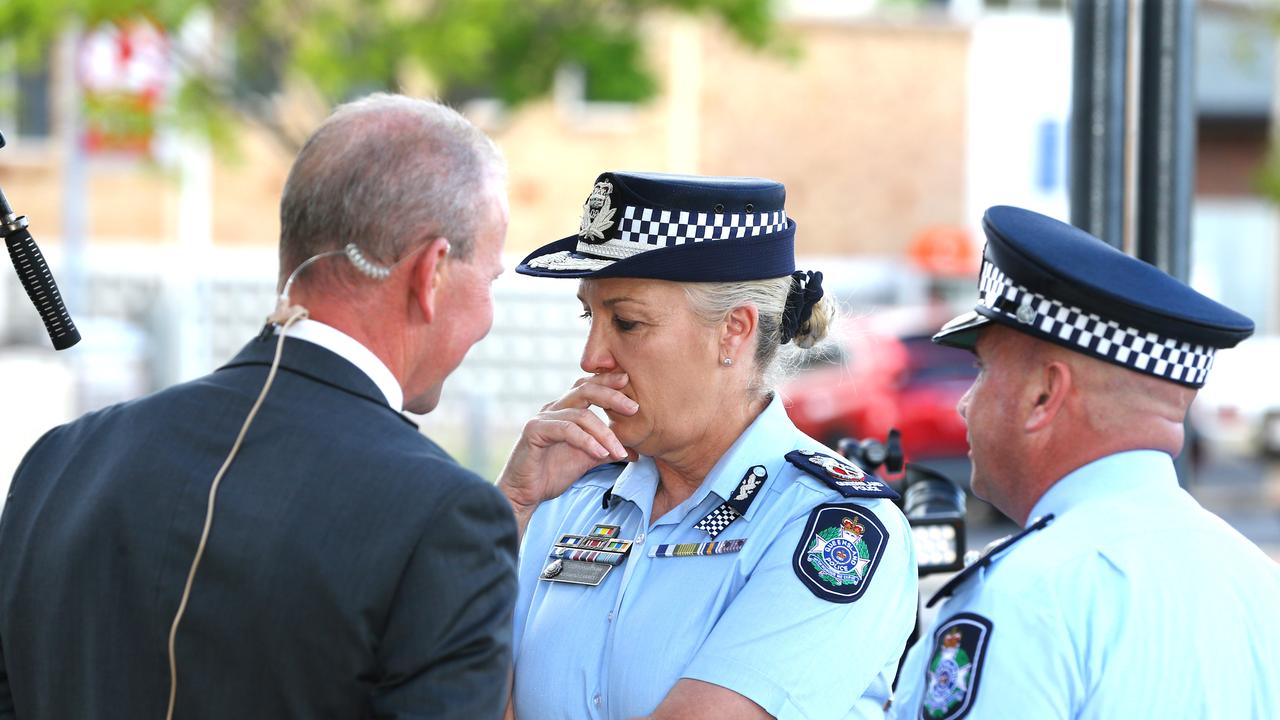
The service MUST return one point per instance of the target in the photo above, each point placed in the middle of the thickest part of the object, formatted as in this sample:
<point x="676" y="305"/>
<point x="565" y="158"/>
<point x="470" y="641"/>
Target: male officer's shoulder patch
<point x="843" y="476"/>
<point x="839" y="551"/>
<point x="955" y="667"/>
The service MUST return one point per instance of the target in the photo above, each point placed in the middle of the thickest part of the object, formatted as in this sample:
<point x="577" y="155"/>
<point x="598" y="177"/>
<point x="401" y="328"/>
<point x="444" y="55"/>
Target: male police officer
<point x="352" y="569"/>
<point x="1122" y="597"/>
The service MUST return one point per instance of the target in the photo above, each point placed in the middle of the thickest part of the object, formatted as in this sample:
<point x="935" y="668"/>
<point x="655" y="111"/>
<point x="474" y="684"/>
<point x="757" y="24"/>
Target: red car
<point x="888" y="374"/>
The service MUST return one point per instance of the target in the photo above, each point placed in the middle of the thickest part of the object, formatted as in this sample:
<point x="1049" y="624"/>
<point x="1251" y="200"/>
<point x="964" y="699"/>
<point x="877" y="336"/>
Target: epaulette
<point x="841" y="475"/>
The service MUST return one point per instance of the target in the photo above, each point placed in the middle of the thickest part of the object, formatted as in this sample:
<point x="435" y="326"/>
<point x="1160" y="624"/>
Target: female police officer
<point x="724" y="565"/>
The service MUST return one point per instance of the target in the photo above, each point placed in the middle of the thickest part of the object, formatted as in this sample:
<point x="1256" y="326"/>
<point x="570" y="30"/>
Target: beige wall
<point x="866" y="128"/>
<point x="864" y="125"/>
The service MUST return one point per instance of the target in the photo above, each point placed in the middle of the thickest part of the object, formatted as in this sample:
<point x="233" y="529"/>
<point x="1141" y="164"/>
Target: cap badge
<point x="1026" y="314"/>
<point x="597" y="214"/>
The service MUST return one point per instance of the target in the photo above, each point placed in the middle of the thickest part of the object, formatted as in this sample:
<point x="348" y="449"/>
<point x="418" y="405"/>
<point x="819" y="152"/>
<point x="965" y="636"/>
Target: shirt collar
<point x="766" y="442"/>
<point x="637" y="482"/>
<point x="350" y="349"/>
<point x="768" y="437"/>
<point x="1126" y="472"/>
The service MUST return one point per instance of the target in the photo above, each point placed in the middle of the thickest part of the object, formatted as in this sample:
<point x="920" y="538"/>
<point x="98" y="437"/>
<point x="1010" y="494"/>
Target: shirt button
<point x="640" y="539"/>
<point x="610" y="616"/>
<point x="596" y="700"/>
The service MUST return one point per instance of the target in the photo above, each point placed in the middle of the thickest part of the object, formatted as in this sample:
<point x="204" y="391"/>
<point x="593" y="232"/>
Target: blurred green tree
<point x="333" y="50"/>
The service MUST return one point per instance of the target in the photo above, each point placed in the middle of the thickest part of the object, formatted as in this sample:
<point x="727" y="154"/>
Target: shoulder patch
<point x="841" y="475"/>
<point x="955" y="667"/>
<point x="839" y="550"/>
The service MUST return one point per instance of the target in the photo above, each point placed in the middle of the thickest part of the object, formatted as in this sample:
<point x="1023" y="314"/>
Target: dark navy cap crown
<point x="675" y="227"/>
<point x="1045" y="278"/>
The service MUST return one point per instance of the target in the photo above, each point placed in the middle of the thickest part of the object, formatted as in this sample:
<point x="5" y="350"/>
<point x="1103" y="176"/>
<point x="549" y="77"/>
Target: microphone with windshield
<point x="34" y="274"/>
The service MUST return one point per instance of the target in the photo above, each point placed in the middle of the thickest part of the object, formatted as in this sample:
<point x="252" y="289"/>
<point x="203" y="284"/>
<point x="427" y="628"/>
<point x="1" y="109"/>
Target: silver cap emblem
<point x="1026" y="314"/>
<point x="597" y="214"/>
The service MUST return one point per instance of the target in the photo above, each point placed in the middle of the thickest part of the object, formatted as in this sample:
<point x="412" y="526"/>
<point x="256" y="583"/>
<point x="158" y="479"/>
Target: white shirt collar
<point x="350" y="349"/>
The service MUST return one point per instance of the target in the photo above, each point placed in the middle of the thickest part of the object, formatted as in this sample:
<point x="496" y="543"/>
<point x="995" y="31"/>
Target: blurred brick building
<point x="864" y="122"/>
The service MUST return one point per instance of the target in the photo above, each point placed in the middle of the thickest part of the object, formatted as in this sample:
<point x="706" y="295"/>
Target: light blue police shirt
<point x="1133" y="602"/>
<point x="742" y="620"/>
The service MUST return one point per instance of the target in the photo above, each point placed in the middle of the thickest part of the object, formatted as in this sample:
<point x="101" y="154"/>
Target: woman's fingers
<point x="577" y="427"/>
<point x="603" y="391"/>
<point x="615" y="380"/>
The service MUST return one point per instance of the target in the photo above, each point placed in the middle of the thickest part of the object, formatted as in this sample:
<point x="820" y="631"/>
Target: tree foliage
<point x="336" y="49"/>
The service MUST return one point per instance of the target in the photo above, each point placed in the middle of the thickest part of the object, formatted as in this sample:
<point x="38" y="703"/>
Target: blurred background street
<point x="148" y="146"/>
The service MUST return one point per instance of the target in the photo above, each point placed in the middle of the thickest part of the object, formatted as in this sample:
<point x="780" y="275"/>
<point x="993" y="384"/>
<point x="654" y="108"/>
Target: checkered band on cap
<point x="717" y="520"/>
<point x="643" y="229"/>
<point x="1087" y="332"/>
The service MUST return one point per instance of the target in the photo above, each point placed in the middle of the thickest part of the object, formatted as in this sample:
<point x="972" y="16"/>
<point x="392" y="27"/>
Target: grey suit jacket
<point x="353" y="570"/>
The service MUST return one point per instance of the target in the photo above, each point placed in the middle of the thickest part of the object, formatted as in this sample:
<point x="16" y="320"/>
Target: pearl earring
<point x="727" y="362"/>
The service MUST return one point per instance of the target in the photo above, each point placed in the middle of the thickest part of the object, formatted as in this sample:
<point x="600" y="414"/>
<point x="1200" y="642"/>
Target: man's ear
<point x="427" y="274"/>
<point x="1049" y="394"/>
<point x="739" y="325"/>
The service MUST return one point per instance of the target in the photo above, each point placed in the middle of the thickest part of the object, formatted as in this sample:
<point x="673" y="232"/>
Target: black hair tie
<point x="806" y="291"/>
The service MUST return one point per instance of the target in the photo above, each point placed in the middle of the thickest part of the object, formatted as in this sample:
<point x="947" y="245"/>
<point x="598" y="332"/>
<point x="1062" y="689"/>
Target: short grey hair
<point x="384" y="172"/>
<point x="712" y="302"/>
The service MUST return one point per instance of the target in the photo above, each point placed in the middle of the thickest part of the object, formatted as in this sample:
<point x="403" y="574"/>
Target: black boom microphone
<point x="34" y="274"/>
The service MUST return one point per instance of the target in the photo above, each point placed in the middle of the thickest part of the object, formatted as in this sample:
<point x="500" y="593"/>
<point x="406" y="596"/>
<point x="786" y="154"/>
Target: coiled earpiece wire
<point x="284" y="317"/>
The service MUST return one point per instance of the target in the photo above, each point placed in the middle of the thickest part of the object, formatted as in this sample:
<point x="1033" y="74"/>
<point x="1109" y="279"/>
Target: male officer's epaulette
<point x="841" y="475"/>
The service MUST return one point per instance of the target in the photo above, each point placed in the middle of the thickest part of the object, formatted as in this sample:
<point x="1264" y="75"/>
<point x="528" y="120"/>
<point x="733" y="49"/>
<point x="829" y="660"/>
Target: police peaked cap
<point x="675" y="227"/>
<point x="1058" y="283"/>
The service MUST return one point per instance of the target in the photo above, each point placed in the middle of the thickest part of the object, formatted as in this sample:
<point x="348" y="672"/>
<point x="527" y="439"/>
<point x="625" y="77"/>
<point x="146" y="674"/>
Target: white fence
<point x="150" y="317"/>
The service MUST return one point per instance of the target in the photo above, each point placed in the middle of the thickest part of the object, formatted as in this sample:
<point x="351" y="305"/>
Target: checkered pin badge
<point x="736" y="506"/>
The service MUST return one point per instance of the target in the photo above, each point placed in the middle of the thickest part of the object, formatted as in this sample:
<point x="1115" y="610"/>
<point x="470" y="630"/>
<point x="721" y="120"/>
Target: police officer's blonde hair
<point x="713" y="301"/>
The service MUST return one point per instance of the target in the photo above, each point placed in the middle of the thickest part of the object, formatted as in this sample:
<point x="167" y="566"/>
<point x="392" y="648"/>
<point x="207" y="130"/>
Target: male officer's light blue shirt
<point x="741" y="620"/>
<point x="1134" y="602"/>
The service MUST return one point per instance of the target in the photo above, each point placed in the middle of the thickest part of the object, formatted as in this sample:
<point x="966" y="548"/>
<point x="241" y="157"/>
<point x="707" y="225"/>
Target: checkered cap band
<point x="1087" y="332"/>
<point x="717" y="520"/>
<point x="643" y="229"/>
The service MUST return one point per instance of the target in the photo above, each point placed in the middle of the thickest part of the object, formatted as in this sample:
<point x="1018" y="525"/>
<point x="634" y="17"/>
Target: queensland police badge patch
<point x="839" y="551"/>
<point x="955" y="666"/>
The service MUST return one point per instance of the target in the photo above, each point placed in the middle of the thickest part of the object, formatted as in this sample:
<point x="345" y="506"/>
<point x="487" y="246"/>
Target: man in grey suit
<point x="352" y="569"/>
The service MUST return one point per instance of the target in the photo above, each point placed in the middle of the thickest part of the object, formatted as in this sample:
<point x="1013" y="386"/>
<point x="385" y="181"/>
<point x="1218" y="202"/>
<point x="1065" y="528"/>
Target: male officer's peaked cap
<point x="675" y="227"/>
<point x="1058" y="283"/>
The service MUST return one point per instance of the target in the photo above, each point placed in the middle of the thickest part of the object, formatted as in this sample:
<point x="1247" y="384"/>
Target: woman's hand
<point x="562" y="442"/>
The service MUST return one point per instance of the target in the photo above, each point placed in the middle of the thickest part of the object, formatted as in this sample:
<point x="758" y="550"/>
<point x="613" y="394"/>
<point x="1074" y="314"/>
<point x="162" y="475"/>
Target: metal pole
<point x="75" y="171"/>
<point x="1098" y="117"/>
<point x="1166" y="147"/>
<point x="1166" y="144"/>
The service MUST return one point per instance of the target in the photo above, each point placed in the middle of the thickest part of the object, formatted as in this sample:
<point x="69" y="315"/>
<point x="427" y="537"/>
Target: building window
<point x="25" y="96"/>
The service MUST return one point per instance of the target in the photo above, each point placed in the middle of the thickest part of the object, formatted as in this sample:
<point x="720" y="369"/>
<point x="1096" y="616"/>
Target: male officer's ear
<point x="1053" y="383"/>
<point x="428" y="274"/>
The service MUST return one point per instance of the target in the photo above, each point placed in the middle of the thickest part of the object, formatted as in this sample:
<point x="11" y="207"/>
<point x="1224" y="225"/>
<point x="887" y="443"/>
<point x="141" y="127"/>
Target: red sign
<point x="123" y="69"/>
